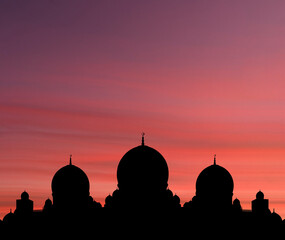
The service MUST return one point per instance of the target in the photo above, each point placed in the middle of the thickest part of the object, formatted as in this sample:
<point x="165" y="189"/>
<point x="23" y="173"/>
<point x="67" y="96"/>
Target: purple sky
<point x="87" y="77"/>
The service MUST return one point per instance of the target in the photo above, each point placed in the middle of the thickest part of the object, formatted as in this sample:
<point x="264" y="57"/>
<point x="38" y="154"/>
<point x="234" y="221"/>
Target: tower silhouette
<point x="24" y="206"/>
<point x="260" y="205"/>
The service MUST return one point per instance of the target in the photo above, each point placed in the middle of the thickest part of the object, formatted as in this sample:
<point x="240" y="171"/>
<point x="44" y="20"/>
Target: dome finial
<point x="70" y="159"/>
<point x="215" y="159"/>
<point x="143" y="138"/>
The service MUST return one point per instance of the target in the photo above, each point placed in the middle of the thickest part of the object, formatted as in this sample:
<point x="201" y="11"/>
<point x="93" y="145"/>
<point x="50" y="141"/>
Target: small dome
<point x="275" y="217"/>
<point x="214" y="189"/>
<point x="25" y="196"/>
<point x="176" y="199"/>
<point x="9" y="217"/>
<point x="48" y="202"/>
<point x="108" y="199"/>
<point x="70" y="188"/>
<point x="214" y="179"/>
<point x="70" y="179"/>
<point x="48" y="205"/>
<point x="116" y="194"/>
<point x="236" y="202"/>
<point x="142" y="167"/>
<point x="260" y="195"/>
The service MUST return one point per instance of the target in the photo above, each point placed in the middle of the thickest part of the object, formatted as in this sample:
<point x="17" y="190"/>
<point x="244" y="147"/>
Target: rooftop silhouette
<point x="142" y="200"/>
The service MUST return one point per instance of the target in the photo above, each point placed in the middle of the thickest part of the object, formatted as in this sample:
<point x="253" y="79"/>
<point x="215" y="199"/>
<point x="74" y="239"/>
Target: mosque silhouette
<point x="143" y="204"/>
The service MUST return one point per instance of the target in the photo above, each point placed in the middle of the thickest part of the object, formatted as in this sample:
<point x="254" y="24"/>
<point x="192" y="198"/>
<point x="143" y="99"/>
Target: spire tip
<point x="143" y="138"/>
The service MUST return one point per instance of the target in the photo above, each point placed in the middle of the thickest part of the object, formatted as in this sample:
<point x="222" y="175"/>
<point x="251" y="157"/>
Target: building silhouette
<point x="70" y="189"/>
<point x="142" y="176"/>
<point x="24" y="206"/>
<point x="214" y="188"/>
<point x="144" y="203"/>
<point x="260" y="205"/>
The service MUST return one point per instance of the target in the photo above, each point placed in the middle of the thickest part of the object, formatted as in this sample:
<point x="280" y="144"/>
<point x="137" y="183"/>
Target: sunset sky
<point x="87" y="77"/>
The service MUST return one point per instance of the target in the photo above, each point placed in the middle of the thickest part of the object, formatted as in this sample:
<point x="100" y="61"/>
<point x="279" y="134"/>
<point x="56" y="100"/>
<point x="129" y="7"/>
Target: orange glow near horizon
<point x="198" y="77"/>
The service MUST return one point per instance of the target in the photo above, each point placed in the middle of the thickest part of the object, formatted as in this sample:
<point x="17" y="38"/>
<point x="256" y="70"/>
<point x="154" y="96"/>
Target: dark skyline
<point x="142" y="195"/>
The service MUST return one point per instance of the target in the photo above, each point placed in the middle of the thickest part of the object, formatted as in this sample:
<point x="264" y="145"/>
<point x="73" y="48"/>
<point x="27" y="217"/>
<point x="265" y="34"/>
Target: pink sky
<point x="87" y="77"/>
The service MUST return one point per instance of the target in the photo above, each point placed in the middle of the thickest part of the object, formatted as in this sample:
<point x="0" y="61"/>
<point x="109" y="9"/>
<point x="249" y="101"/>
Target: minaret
<point x="24" y="205"/>
<point x="260" y="205"/>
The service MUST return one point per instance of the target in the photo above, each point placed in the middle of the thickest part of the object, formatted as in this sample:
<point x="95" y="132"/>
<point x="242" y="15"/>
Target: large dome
<point x="142" y="168"/>
<point x="214" y="179"/>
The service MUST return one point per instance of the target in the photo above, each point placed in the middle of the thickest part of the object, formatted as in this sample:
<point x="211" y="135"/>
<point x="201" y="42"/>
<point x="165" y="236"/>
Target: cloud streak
<point x="199" y="78"/>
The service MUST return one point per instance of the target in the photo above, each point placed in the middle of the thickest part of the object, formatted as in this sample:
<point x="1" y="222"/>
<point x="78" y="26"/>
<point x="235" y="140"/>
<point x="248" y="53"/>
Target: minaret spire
<point x="143" y="138"/>
<point x="215" y="159"/>
<point x="70" y="159"/>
